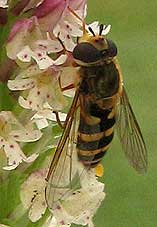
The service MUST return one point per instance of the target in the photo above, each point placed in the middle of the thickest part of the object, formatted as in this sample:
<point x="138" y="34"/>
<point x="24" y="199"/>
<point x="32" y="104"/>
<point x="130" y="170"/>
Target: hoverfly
<point x="99" y="104"/>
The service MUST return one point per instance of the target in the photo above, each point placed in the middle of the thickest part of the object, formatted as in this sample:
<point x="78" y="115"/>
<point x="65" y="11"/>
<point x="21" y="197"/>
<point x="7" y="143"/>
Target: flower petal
<point x="38" y="207"/>
<point x="22" y="84"/>
<point x="51" y="46"/>
<point x="33" y="194"/>
<point x="3" y="3"/>
<point x="34" y="100"/>
<point x="41" y="123"/>
<point x="62" y="117"/>
<point x="31" y="71"/>
<point x="44" y="61"/>
<point x="25" y="136"/>
<point x="10" y="120"/>
<point x="2" y="142"/>
<point x="11" y="167"/>
<point x="40" y="117"/>
<point x="94" y="26"/>
<point x="69" y="44"/>
<point x="106" y="30"/>
<point x="24" y="103"/>
<point x="73" y="30"/>
<point x="25" y="54"/>
<point x="15" y="155"/>
<point x="60" y="60"/>
<point x="31" y="158"/>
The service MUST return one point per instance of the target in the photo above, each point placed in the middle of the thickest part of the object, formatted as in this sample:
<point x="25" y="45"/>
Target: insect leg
<point x="58" y="120"/>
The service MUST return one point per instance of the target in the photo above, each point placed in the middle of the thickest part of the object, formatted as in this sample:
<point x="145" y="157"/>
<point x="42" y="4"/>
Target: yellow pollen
<point x="99" y="170"/>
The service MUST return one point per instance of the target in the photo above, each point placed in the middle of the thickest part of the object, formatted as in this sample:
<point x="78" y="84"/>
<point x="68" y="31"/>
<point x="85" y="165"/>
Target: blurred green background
<point x="131" y="199"/>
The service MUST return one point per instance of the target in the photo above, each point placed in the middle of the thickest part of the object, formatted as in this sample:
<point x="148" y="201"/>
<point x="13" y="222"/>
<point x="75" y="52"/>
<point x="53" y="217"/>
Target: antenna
<point x="101" y="27"/>
<point x="91" y="30"/>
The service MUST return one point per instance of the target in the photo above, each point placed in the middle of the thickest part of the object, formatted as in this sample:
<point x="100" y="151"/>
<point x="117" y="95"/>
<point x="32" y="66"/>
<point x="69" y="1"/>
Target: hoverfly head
<point x="94" y="48"/>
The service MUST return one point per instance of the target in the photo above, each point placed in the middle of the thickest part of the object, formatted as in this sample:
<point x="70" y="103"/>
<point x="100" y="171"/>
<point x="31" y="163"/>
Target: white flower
<point x="12" y="132"/>
<point x="68" y="27"/>
<point x="33" y="195"/>
<point x="3" y="3"/>
<point x="95" y="27"/>
<point x="42" y="87"/>
<point x="25" y="32"/>
<point x="78" y="206"/>
<point x="39" y="53"/>
<point x="26" y="42"/>
<point x="41" y="117"/>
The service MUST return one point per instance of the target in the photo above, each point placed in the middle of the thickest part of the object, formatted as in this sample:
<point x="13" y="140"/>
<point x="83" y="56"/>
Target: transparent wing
<point x="130" y="135"/>
<point x="64" y="170"/>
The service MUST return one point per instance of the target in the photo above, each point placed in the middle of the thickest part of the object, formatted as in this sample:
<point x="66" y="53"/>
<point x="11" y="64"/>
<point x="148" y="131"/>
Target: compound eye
<point x="112" y="49"/>
<point x="86" y="53"/>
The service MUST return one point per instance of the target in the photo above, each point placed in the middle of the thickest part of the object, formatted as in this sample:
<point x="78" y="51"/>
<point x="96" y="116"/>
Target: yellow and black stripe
<point x="94" y="140"/>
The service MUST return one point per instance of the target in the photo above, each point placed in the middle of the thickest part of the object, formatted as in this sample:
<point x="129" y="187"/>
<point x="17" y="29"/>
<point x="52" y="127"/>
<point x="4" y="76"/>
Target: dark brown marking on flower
<point x="68" y="36"/>
<point x="62" y="222"/>
<point x="11" y="146"/>
<point x="39" y="54"/>
<point x="25" y="56"/>
<point x="58" y="207"/>
<point x="38" y="92"/>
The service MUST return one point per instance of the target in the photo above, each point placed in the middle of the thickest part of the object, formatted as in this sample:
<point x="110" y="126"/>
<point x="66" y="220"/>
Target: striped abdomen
<point x="95" y="134"/>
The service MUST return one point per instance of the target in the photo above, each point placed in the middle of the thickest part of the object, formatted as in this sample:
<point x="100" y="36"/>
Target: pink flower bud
<point x="49" y="12"/>
<point x="20" y="25"/>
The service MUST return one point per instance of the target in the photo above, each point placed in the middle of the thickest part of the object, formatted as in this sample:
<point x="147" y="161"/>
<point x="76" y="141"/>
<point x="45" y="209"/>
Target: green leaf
<point x="6" y="101"/>
<point x="9" y="194"/>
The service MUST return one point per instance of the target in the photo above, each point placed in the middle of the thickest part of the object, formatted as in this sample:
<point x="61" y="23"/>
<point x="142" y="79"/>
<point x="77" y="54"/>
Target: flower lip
<point x="87" y="53"/>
